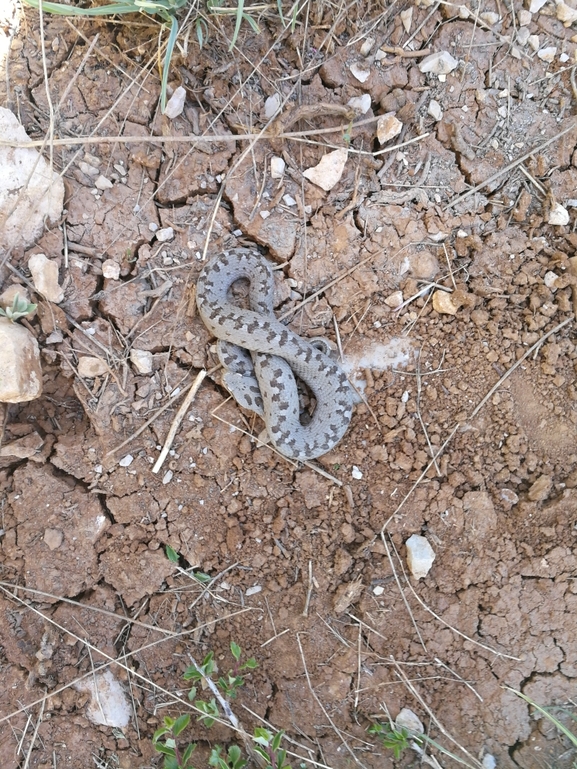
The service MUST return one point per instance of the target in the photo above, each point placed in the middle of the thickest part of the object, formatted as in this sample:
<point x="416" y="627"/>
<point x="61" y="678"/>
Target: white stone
<point x="558" y="216"/>
<point x="420" y="556"/>
<point x="536" y="5"/>
<point x="141" y="360"/>
<point x="126" y="461"/>
<point x="523" y="35"/>
<point x="329" y="171"/>
<point x="410" y="721"/>
<point x="550" y="279"/>
<point x="277" y="167"/>
<point x="111" y="269"/>
<point x="264" y="214"/>
<point x="31" y="195"/>
<point x="440" y="63"/>
<point x="272" y="105"/>
<point x="356" y="473"/>
<point x="89" y="367"/>
<point x="533" y="41"/>
<point x="378" y="590"/>
<point x="489" y="762"/>
<point x="53" y="538"/>
<point x="547" y="54"/>
<point x="165" y="234"/>
<point x="435" y="110"/>
<point x="388" y="126"/>
<point x="175" y="104"/>
<point x="108" y="704"/>
<point x="394" y="300"/>
<point x="253" y="590"/>
<point x="407" y="19"/>
<point x="87" y="169"/>
<point x="20" y="371"/>
<point x="102" y="183"/>
<point x="45" y="277"/>
<point x="524" y="17"/>
<point x="359" y="73"/>
<point x="489" y="17"/>
<point x="167" y="477"/>
<point x="367" y="45"/>
<point x="288" y="200"/>
<point x="360" y="104"/>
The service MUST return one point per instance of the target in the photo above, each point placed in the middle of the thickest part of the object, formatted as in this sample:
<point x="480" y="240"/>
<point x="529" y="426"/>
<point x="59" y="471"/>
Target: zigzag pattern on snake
<point x="261" y="357"/>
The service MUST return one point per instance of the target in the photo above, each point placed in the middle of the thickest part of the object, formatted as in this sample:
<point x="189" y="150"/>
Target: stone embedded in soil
<point x="31" y="194"/>
<point x="110" y="269"/>
<point x="440" y="63"/>
<point x="420" y="556"/>
<point x="89" y="367"/>
<point x="175" y="105"/>
<point x="443" y="303"/>
<point x="388" y="126"/>
<point x="23" y="448"/>
<point x="20" y="369"/>
<point x="327" y="173"/>
<point x="53" y="538"/>
<point x="409" y="720"/>
<point x="141" y="360"/>
<point x="539" y="490"/>
<point x="108" y="704"/>
<point x="45" y="277"/>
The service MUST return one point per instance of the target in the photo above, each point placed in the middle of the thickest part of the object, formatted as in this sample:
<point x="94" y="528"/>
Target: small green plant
<point x="397" y="739"/>
<point x="268" y="746"/>
<point x="231" y="760"/>
<point x="164" y="741"/>
<point x="20" y="308"/>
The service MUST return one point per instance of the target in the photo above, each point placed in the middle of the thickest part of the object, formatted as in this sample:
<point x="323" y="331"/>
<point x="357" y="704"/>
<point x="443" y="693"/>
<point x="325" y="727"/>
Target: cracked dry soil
<point x="500" y="505"/>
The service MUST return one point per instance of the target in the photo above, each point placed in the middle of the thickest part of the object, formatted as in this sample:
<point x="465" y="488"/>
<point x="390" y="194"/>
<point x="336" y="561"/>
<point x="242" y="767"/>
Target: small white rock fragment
<point x="489" y="762"/>
<point x="55" y="337"/>
<point x="489" y="17"/>
<point x="175" y="104"/>
<point x="380" y="55"/>
<point x="253" y="590"/>
<point x="558" y="216"/>
<point x="31" y="194"/>
<point x="550" y="280"/>
<point x="102" y="183"/>
<point x="407" y="19"/>
<point x="533" y="41"/>
<point x="388" y="126"/>
<point x="435" y="110"/>
<point x="524" y="17"/>
<point x="45" y="277"/>
<point x="109" y="704"/>
<point x="536" y="5"/>
<point x="410" y="721"/>
<point x="547" y="54"/>
<point x="89" y="367"/>
<point x="440" y="63"/>
<point x="356" y="473"/>
<point x="20" y="371"/>
<point x="288" y="200"/>
<point x="367" y="45"/>
<point x="359" y="73"/>
<point x="141" y="360"/>
<point x="329" y="171"/>
<point x="87" y="169"/>
<point x="523" y="35"/>
<point x="394" y="300"/>
<point x="360" y="104"/>
<point x="264" y="214"/>
<point x="420" y="556"/>
<point x="165" y="234"/>
<point x="277" y="167"/>
<point x="126" y="461"/>
<point x="272" y="105"/>
<point x="167" y="477"/>
<point x="443" y="303"/>
<point x="53" y="538"/>
<point x="378" y="590"/>
<point x="111" y="269"/>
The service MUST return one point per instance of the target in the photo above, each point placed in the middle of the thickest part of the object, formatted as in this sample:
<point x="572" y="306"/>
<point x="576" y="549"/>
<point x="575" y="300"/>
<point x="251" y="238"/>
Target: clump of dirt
<point x="434" y="267"/>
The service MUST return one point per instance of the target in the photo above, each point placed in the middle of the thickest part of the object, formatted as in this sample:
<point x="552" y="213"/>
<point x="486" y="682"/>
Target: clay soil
<point x="308" y="571"/>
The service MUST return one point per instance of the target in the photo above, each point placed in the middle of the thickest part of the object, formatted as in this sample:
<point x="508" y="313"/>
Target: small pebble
<point x="356" y="473"/>
<point x="167" y="477"/>
<point x="420" y="556"/>
<point x="253" y="590"/>
<point x="175" y="104"/>
<point x="165" y="234"/>
<point x="126" y="461"/>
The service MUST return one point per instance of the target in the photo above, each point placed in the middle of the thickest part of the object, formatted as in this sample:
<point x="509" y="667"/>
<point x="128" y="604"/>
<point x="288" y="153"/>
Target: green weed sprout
<point x="397" y="740"/>
<point x="165" y="9"/>
<point x="173" y="758"/>
<point x="20" y="308"/>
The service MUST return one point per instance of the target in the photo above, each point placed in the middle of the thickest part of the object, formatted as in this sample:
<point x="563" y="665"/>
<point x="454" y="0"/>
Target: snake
<point x="262" y="358"/>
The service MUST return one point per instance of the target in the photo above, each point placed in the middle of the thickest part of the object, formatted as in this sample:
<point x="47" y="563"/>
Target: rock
<point x="558" y="215"/>
<point x="443" y="303"/>
<point x="435" y="110"/>
<point x="394" y="300"/>
<point x="108" y="704"/>
<point x="536" y="5"/>
<point x="533" y="41"/>
<point x="547" y="54"/>
<point x="359" y="73"/>
<point x="53" y="538"/>
<point x="45" y="277"/>
<point x="356" y="473"/>
<point x="165" y="234"/>
<point x="540" y="489"/>
<point x="329" y="171"/>
<point x="277" y="167"/>
<point x="7" y="297"/>
<point x="141" y="360"/>
<point x="489" y="17"/>
<point x="388" y="127"/>
<point x="440" y="63"/>
<point x="31" y="195"/>
<point x="272" y="105"/>
<point x="420" y="556"/>
<point x="410" y="721"/>
<point x="111" y="269"/>
<point x="360" y="104"/>
<point x="23" y="448"/>
<point x="175" y="104"/>
<point x="89" y="367"/>
<point x="20" y="370"/>
<point x="102" y="183"/>
<point x="524" y="17"/>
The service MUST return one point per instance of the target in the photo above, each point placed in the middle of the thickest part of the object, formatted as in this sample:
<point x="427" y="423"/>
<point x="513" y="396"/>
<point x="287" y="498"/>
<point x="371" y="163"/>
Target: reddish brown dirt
<point x="339" y="630"/>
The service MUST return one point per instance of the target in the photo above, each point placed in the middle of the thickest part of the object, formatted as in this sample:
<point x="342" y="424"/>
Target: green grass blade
<point x="70" y="10"/>
<point x="252" y="23"/>
<point x="239" y="15"/>
<point x="167" y="59"/>
<point x="572" y="737"/>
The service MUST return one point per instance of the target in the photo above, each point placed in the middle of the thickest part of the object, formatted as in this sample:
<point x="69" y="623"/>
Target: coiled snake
<point x="261" y="357"/>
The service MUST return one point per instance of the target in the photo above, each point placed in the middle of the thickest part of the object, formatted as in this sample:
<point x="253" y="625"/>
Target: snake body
<point x="261" y="357"/>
